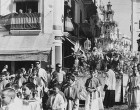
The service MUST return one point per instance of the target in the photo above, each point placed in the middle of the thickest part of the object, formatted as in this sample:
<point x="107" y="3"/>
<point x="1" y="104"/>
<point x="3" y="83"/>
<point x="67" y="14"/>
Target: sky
<point x="122" y="15"/>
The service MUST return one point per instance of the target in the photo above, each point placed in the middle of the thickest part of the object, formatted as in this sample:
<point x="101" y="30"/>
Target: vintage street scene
<point x="69" y="54"/>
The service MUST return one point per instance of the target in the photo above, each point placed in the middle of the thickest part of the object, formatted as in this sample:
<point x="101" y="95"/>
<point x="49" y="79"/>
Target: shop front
<point x="22" y="51"/>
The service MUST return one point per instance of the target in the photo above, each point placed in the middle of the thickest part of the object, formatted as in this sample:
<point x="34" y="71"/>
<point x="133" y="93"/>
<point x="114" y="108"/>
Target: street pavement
<point x="116" y="107"/>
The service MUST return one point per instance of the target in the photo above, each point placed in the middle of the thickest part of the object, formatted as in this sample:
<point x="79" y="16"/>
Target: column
<point x="58" y="17"/>
<point x="12" y="67"/>
<point x="57" y="51"/>
<point x="46" y="7"/>
<point x="58" y="27"/>
<point x="0" y="7"/>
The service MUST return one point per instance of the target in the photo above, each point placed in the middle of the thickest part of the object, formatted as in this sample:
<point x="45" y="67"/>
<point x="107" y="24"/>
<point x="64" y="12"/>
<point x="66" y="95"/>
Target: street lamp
<point x="87" y="44"/>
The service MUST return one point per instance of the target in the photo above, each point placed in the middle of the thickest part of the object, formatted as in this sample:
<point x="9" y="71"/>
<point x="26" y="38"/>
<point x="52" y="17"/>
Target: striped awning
<point x="25" y="48"/>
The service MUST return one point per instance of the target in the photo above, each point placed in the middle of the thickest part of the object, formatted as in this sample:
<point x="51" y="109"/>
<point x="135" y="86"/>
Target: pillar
<point x="58" y="17"/>
<point x="57" y="51"/>
<point x="12" y="67"/>
<point x="47" y="15"/>
<point x="58" y="27"/>
<point x="0" y="7"/>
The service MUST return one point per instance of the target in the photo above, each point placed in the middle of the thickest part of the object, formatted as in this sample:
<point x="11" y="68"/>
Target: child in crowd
<point x="7" y="75"/>
<point x="26" y="76"/>
<point x="56" y="100"/>
<point x="71" y="94"/>
<point x="4" y="81"/>
<point x="21" y="79"/>
<point x="36" y="78"/>
<point x="29" y="93"/>
<point x="8" y="100"/>
<point x="17" y="90"/>
<point x="38" y="84"/>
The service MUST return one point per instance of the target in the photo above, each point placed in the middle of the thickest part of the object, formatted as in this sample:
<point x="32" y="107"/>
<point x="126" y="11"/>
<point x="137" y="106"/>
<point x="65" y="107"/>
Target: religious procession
<point x="91" y="85"/>
<point x="69" y="55"/>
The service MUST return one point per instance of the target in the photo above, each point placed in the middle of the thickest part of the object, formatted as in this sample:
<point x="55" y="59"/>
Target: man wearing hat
<point x="58" y="75"/>
<point x="4" y="81"/>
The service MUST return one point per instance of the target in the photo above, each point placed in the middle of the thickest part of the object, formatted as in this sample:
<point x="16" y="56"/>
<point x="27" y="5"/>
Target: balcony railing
<point x="22" y="21"/>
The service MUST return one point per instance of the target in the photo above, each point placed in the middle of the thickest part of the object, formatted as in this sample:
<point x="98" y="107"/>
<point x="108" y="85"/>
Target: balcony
<point x="22" y="24"/>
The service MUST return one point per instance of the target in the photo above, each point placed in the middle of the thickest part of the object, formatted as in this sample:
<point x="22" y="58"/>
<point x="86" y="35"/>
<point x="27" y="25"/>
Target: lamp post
<point x="87" y="44"/>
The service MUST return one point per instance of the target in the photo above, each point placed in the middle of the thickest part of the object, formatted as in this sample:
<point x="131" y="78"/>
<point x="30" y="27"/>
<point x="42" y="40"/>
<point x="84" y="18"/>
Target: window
<point x="33" y="5"/>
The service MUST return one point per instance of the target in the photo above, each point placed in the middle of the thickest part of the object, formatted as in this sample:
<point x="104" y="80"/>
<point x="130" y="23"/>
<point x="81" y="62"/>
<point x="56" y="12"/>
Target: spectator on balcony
<point x="29" y="10"/>
<point x="20" y="11"/>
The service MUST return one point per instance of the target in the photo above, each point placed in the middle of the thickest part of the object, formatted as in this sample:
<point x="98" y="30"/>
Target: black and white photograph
<point x="69" y="54"/>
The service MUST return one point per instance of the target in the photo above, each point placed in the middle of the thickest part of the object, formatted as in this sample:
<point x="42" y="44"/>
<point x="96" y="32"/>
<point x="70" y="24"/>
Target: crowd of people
<point x="40" y="89"/>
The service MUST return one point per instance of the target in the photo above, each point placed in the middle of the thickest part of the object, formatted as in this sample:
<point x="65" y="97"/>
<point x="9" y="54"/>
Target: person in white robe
<point x="134" y="90"/>
<point x="110" y="84"/>
<point x="55" y="101"/>
<point x="29" y="94"/>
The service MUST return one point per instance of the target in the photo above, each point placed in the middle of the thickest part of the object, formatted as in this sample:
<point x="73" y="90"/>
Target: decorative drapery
<point x="68" y="24"/>
<point x="22" y="21"/>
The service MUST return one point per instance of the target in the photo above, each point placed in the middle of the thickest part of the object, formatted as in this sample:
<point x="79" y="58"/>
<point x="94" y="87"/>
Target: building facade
<point x="83" y="16"/>
<point x="31" y="30"/>
<point x="135" y="23"/>
<point x="34" y="30"/>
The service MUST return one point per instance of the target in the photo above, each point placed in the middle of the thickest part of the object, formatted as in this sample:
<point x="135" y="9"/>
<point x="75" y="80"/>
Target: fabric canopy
<point x="25" y="48"/>
<point x="24" y="0"/>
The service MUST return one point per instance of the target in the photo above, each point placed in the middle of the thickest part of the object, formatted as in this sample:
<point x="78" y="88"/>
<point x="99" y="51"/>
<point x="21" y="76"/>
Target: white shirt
<point x="56" y="102"/>
<point x="42" y="74"/>
<point x="59" y="75"/>
<point x="15" y="105"/>
<point x="111" y="80"/>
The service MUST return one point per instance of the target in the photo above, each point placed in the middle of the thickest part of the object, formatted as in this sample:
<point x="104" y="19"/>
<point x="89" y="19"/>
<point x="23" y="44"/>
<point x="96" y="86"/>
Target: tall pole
<point x="132" y="25"/>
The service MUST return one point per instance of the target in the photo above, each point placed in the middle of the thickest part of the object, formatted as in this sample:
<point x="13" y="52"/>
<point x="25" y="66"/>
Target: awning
<point x="24" y="0"/>
<point x="25" y="48"/>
